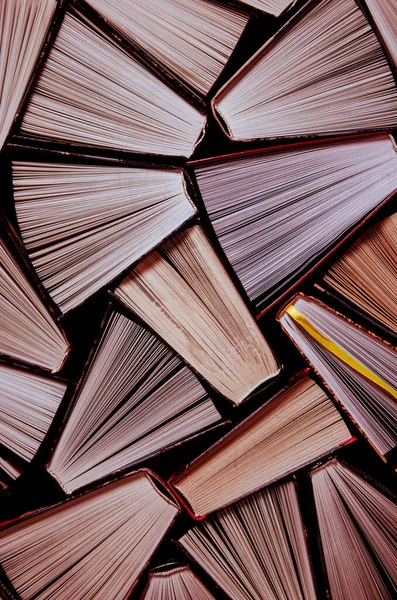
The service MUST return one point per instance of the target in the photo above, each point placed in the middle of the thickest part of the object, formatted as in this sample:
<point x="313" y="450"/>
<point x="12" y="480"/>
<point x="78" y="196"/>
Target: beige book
<point x="384" y="13"/>
<point x="273" y="7"/>
<point x="175" y="582"/>
<point x="298" y="426"/>
<point x="183" y="292"/>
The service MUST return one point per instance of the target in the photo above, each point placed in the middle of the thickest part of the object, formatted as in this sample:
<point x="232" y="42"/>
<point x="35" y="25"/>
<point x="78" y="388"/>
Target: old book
<point x="12" y="468"/>
<point x="175" y="581"/>
<point x="384" y="14"/>
<point x="23" y="27"/>
<point x="28" y="403"/>
<point x="296" y="427"/>
<point x="323" y="73"/>
<point x="366" y="274"/>
<point x="135" y="399"/>
<point x="358" y="533"/>
<point x="83" y="225"/>
<point x="358" y="367"/>
<point x="256" y="548"/>
<point x="184" y="293"/>
<point x="92" y="546"/>
<point x="92" y="92"/>
<point x="192" y="38"/>
<point x="273" y="7"/>
<point x="276" y="213"/>
<point x="28" y="331"/>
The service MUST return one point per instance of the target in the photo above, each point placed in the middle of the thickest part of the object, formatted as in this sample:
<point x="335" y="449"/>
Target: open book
<point x="358" y="531"/>
<point x="135" y="399"/>
<point x="23" y="27"/>
<point x="358" y="368"/>
<point x="384" y="14"/>
<point x="296" y="427"/>
<point x="323" y="73"/>
<point x="366" y="274"/>
<point x="191" y="38"/>
<point x="28" y="332"/>
<point x="92" y="546"/>
<point x="184" y="293"/>
<point x="276" y="213"/>
<point x="83" y="225"/>
<point x="273" y="7"/>
<point x="175" y="582"/>
<point x="91" y="92"/>
<point x="256" y="548"/>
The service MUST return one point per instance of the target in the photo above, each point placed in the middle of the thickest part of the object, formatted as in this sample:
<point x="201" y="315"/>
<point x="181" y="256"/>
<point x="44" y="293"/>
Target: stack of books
<point x="198" y="337"/>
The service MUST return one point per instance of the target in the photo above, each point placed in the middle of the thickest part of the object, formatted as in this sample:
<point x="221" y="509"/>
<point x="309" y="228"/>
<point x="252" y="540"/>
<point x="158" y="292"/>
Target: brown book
<point x="184" y="293"/>
<point x="298" y="426"/>
<point x="324" y="72"/>
<point x="366" y="275"/>
<point x="358" y="532"/>
<point x="256" y="548"/>
<point x="358" y="368"/>
<point x="102" y="542"/>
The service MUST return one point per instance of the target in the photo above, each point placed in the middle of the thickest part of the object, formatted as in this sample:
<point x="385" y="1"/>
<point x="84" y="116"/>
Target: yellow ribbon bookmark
<point x="338" y="351"/>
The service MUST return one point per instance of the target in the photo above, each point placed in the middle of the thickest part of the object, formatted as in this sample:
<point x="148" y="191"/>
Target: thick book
<point x="365" y="275"/>
<point x="184" y="293"/>
<point x="192" y="38"/>
<point x="358" y="368"/>
<point x="135" y="399"/>
<point x="29" y="401"/>
<point x="91" y="91"/>
<point x="175" y="581"/>
<point x="273" y="7"/>
<point x="384" y="15"/>
<point x="324" y="72"/>
<point x="278" y="212"/>
<point x="358" y="531"/>
<point x="298" y="426"/>
<point x="256" y="548"/>
<point x="94" y="545"/>
<point x="83" y="225"/>
<point x="29" y="330"/>
<point x="23" y="29"/>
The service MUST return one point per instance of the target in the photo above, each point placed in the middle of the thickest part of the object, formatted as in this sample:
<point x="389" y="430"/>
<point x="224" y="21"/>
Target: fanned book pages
<point x="297" y="427"/>
<point x="273" y="7"/>
<point x="183" y="292"/>
<point x="90" y="547"/>
<point x="324" y="73"/>
<point x="92" y="92"/>
<point x="192" y="38"/>
<point x="358" y="530"/>
<point x="28" y="403"/>
<point x="175" y="582"/>
<point x="366" y="274"/>
<point x="12" y="468"/>
<point x="27" y="330"/>
<point x="359" y="369"/>
<point x="83" y="225"/>
<point x="136" y="398"/>
<point x="276" y="213"/>
<point x="23" y="27"/>
<point x="256" y="549"/>
<point x="384" y="14"/>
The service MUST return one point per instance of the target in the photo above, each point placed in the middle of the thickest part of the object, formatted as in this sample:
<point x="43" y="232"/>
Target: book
<point x="91" y="92"/>
<point x="256" y="548"/>
<point x="84" y="224"/>
<point x="277" y="212"/>
<point x="12" y="468"/>
<point x="357" y="524"/>
<point x="359" y="368"/>
<point x="192" y="38"/>
<point x="184" y="293"/>
<point x="298" y="426"/>
<point x="23" y="28"/>
<point x="384" y="14"/>
<point x="175" y="581"/>
<point x="365" y="274"/>
<point x="28" y="330"/>
<point x="135" y="399"/>
<point x="104" y="539"/>
<point x="28" y="403"/>
<point x="273" y="7"/>
<point x="323" y="73"/>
